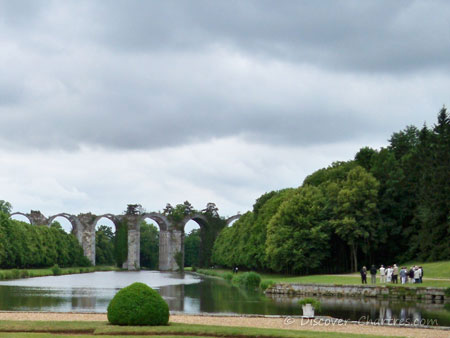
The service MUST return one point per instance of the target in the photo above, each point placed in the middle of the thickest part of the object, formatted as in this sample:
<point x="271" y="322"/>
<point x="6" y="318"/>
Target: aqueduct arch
<point x="71" y="218"/>
<point x="171" y="236"/>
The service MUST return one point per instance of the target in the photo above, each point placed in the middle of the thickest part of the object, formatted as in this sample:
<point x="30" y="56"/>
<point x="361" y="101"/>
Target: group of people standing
<point x="391" y="274"/>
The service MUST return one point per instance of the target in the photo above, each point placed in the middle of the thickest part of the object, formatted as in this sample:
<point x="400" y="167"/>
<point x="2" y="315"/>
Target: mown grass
<point x="6" y="274"/>
<point x="95" y="329"/>
<point x="431" y="270"/>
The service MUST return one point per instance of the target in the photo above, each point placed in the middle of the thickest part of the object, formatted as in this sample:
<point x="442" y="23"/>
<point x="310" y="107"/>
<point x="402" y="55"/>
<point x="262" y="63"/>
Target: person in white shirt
<point x="389" y="274"/>
<point x="416" y="275"/>
<point x="382" y="274"/>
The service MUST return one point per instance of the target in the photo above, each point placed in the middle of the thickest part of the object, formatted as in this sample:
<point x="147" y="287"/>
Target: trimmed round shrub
<point x="138" y="304"/>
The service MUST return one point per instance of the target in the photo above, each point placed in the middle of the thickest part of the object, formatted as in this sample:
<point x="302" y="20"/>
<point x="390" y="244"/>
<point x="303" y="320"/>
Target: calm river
<point x="190" y="293"/>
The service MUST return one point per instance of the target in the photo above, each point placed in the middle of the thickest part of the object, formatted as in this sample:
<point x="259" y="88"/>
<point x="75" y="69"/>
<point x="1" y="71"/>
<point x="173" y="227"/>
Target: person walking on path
<point x="373" y="274"/>
<point x="382" y="274"/>
<point x="363" y="275"/>
<point x="395" y="274"/>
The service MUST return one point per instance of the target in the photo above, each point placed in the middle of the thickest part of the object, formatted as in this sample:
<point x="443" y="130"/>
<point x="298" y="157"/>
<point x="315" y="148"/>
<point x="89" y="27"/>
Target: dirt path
<point x="261" y="322"/>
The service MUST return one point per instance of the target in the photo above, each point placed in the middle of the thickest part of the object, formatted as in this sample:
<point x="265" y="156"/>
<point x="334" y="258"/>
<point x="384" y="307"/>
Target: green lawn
<point x="25" y="329"/>
<point x="431" y="270"/>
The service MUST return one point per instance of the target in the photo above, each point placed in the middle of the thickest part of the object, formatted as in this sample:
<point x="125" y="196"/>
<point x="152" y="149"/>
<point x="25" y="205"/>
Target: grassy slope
<point x="431" y="270"/>
<point x="183" y="330"/>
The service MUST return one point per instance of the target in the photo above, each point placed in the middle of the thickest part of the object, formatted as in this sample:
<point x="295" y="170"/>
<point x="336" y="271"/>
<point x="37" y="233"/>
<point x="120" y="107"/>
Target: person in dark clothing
<point x="363" y="275"/>
<point x="411" y="275"/>
<point x="373" y="274"/>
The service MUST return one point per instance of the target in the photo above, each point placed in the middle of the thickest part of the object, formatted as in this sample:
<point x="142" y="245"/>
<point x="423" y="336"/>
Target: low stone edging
<point x="385" y="291"/>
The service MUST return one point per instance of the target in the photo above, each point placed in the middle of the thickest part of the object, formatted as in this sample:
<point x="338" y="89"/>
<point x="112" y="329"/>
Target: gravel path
<point x="261" y="322"/>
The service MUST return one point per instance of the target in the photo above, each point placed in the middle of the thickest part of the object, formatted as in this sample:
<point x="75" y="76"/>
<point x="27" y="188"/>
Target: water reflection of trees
<point x="216" y="295"/>
<point x="30" y="299"/>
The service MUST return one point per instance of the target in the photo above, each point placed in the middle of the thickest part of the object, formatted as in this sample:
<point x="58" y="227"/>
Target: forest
<point x="385" y="206"/>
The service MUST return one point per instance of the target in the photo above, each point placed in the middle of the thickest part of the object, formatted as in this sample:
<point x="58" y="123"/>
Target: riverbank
<point x="6" y="274"/>
<point x="207" y="325"/>
<point x="437" y="274"/>
<point x="381" y="291"/>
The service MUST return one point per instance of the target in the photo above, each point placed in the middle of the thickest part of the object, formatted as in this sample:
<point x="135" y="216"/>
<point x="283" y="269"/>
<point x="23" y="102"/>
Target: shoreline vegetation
<point x="437" y="274"/>
<point x="8" y="274"/>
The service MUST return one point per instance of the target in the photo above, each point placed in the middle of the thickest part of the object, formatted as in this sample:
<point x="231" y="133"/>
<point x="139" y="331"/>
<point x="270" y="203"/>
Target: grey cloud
<point x="365" y="36"/>
<point x="136" y="74"/>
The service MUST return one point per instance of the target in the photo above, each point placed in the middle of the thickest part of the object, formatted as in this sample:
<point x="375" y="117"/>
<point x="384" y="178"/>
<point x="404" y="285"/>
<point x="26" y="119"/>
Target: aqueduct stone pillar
<point x="170" y="242"/>
<point x="36" y="218"/>
<point x="134" y="242"/>
<point x="87" y="236"/>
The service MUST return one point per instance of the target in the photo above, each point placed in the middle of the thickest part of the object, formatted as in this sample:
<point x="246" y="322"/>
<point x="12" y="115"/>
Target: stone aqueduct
<point x="171" y="237"/>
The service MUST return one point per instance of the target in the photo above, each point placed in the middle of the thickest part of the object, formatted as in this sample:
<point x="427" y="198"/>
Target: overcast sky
<point x="105" y="103"/>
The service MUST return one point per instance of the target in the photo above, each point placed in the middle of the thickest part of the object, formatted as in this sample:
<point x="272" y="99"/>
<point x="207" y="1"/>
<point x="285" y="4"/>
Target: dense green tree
<point x="244" y="244"/>
<point x="298" y="233"/>
<point x="121" y="243"/>
<point x="104" y="245"/>
<point x="192" y="246"/>
<point x="432" y="214"/>
<point x="356" y="214"/>
<point x="149" y="254"/>
<point x="5" y="207"/>
<point x="23" y="245"/>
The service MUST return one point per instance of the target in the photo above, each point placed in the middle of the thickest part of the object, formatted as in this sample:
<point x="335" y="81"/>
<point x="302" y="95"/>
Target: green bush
<point x="228" y="276"/>
<point x="56" y="270"/>
<point x="7" y="275"/>
<point x="266" y="284"/>
<point x="15" y="273"/>
<point x="138" y="304"/>
<point x="84" y="261"/>
<point x="447" y="292"/>
<point x="314" y="303"/>
<point x="178" y="256"/>
<point x="249" y="280"/>
<point x="24" y="274"/>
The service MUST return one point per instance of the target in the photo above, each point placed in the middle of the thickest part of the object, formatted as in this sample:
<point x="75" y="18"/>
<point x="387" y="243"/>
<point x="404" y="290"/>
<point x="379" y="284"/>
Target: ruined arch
<point x="232" y="219"/>
<point x="198" y="218"/>
<point x="71" y="218"/>
<point x="159" y="218"/>
<point x="22" y="214"/>
<point x="111" y="217"/>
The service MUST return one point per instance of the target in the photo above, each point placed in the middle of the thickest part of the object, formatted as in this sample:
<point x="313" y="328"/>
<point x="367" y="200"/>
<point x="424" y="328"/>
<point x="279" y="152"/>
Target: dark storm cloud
<point x="149" y="74"/>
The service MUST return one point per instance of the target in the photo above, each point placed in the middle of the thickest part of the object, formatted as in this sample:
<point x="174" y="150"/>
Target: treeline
<point x="385" y="206"/>
<point x="26" y="246"/>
